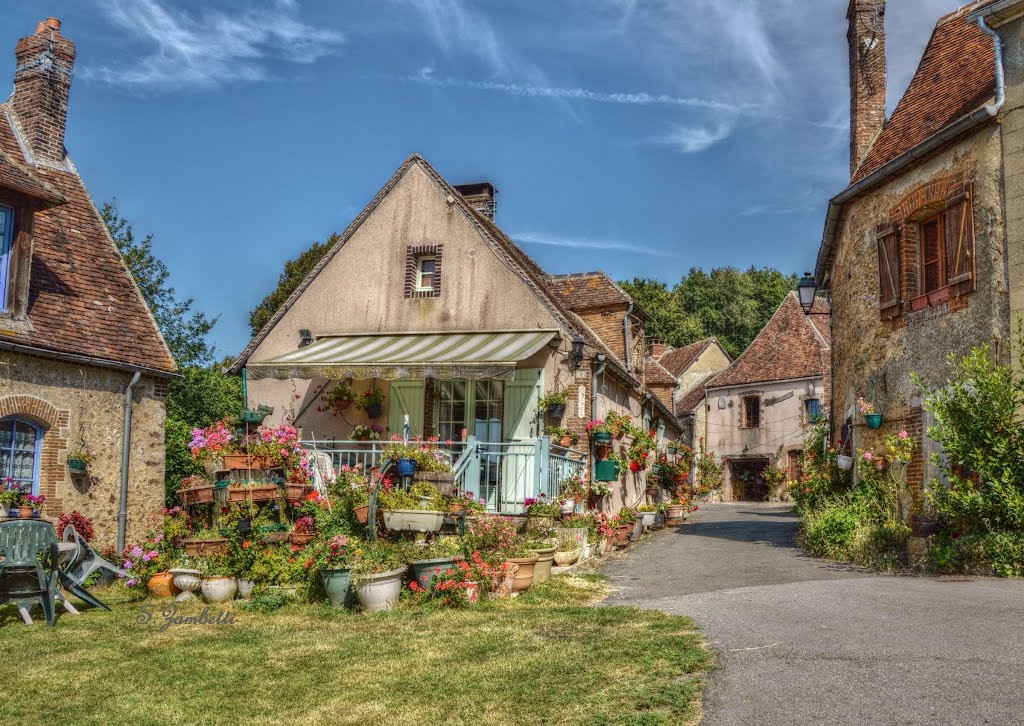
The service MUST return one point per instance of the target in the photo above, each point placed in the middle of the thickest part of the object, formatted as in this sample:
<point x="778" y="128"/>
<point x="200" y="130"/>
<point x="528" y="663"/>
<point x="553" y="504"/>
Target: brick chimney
<point x="658" y="349"/>
<point x="42" y="80"/>
<point x="866" y="39"/>
<point x="480" y="195"/>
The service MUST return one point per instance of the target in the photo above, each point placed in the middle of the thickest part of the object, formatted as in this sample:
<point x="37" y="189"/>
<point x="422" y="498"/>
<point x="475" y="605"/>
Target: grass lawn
<point x="546" y="657"/>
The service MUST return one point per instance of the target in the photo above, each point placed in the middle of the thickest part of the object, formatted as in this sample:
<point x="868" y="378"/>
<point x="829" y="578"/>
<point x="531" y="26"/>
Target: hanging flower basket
<point x="844" y="462"/>
<point x="607" y="470"/>
<point x="374" y="411"/>
<point x="77" y="465"/>
<point x="673" y="449"/>
<point x="603" y="437"/>
<point x="196" y="495"/>
<point x="406" y="467"/>
<point x="873" y="420"/>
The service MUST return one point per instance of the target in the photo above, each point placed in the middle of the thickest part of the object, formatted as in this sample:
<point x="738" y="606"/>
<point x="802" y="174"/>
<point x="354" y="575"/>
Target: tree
<point x="186" y="331"/>
<point x="295" y="272"/>
<point x="731" y="304"/>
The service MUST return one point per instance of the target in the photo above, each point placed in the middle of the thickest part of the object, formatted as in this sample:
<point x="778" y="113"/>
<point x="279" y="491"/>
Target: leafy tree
<point x="731" y="304"/>
<point x="294" y="273"/>
<point x="185" y="330"/>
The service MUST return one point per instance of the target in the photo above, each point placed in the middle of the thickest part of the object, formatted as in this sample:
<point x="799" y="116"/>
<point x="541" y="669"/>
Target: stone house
<point x="77" y="342"/>
<point x="921" y="252"/>
<point x="760" y="406"/>
<point x="426" y="300"/>
<point x="692" y="366"/>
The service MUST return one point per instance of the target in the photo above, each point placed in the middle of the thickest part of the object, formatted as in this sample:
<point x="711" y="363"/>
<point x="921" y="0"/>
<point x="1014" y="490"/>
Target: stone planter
<point x="338" y="586"/>
<point x="602" y="546"/>
<point x="379" y="591"/>
<point x="564" y="559"/>
<point x="524" y="572"/>
<point x="162" y="585"/>
<point x="542" y="567"/>
<point x="188" y="581"/>
<point x="638" y="529"/>
<point x="647" y="519"/>
<point x="245" y="588"/>
<point x="425" y="572"/>
<point x="413" y="520"/>
<point x="674" y="511"/>
<point x="217" y="589"/>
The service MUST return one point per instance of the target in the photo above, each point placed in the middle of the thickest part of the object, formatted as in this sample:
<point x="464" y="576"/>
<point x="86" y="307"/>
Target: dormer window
<point x="423" y="270"/>
<point x="6" y="244"/>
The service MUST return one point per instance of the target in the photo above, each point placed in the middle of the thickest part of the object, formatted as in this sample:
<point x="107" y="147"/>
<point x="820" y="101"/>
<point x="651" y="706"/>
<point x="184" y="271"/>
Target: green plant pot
<point x="603" y="437"/>
<point x="607" y="470"/>
<point x="673" y="450"/>
<point x="426" y="571"/>
<point x="555" y="410"/>
<point x="338" y="585"/>
<point x="77" y="466"/>
<point x="873" y="420"/>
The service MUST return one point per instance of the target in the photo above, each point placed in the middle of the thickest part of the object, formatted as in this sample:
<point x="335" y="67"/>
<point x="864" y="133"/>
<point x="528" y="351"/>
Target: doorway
<point x="747" y="479"/>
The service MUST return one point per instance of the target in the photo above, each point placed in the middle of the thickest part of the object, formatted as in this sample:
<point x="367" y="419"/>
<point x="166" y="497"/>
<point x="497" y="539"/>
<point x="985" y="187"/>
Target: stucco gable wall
<point x="362" y="289"/>
<point x="711" y="360"/>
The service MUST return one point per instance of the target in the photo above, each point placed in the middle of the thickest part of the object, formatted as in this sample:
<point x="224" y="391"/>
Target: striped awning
<point x="407" y="355"/>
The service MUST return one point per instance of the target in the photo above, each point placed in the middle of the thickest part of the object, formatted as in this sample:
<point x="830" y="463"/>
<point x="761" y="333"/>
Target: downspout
<point x="1000" y="77"/>
<point x="595" y="374"/>
<point x="122" y="515"/>
<point x="629" y="337"/>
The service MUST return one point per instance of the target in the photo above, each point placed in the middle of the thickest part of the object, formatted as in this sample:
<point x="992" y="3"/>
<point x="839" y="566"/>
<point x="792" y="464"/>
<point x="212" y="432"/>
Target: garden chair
<point x="29" y="568"/>
<point x="69" y="580"/>
<point x="85" y="561"/>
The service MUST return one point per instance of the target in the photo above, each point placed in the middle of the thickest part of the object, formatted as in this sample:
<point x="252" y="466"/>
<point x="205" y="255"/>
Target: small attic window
<point x="423" y="271"/>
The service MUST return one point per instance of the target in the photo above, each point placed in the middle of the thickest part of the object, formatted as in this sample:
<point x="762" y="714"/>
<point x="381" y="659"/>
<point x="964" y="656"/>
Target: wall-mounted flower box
<point x="255" y="493"/>
<point x="206" y="547"/>
<point x="196" y="495"/>
<point x="236" y="462"/>
<point x="295" y="492"/>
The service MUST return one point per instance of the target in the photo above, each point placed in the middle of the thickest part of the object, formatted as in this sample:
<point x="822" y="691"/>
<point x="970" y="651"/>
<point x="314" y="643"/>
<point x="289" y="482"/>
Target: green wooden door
<point x="406" y="399"/>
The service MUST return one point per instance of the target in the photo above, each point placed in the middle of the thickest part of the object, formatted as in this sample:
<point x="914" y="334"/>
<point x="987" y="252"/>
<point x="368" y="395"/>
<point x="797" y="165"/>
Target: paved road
<point x="804" y="641"/>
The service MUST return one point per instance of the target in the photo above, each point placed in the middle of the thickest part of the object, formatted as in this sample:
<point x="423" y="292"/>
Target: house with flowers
<point x="426" y="321"/>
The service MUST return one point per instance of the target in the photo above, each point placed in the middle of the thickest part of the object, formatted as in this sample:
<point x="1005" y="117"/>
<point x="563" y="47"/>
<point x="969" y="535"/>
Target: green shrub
<point x="830" y="530"/>
<point x="996" y="553"/>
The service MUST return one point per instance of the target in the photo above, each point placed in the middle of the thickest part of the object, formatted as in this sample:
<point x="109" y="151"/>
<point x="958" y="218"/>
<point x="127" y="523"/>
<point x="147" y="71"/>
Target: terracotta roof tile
<point x="789" y="346"/>
<point x="694" y="398"/>
<point x="657" y="375"/>
<point x="588" y="290"/>
<point x="956" y="75"/>
<point x="678" y="360"/>
<point x="82" y="299"/>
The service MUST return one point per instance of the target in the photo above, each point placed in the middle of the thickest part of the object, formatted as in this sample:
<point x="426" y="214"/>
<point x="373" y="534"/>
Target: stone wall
<point x="875" y="357"/>
<point x="79" y="406"/>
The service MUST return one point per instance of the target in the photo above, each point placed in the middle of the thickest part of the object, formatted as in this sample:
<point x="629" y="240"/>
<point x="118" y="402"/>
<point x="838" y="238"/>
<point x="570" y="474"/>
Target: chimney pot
<point x="53" y="24"/>
<point x="42" y="82"/>
<point x="40" y="27"/>
<point x="480" y="195"/>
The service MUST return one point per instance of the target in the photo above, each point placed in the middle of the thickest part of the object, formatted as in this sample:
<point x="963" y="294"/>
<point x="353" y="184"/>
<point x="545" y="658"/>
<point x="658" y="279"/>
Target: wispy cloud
<point x="758" y="210"/>
<point x="631" y="98"/>
<point x="209" y="48"/>
<point x="586" y="243"/>
<point x="693" y="139"/>
<point x="456" y="26"/>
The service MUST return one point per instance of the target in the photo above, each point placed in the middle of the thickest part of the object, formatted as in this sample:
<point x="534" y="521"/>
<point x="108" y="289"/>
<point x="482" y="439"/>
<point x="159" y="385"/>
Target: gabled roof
<point x="695" y="396"/>
<point x="678" y="360"/>
<point x="956" y="75"/>
<point x="83" y="301"/>
<point x="656" y="374"/>
<point x="789" y="346"/>
<point x="503" y="246"/>
<point x="589" y="290"/>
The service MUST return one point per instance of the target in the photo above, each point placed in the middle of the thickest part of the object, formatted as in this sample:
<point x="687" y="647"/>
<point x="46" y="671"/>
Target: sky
<point x="640" y="138"/>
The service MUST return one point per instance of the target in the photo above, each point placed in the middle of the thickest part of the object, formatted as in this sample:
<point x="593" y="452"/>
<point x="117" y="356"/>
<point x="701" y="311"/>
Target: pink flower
<point x="868" y="456"/>
<point x="903" y="435"/>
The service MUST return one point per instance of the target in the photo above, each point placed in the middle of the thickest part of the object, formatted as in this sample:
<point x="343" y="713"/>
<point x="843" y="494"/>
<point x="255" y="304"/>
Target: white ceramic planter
<point x="4" y="510"/>
<point x="245" y="588"/>
<point x="380" y="591"/>
<point x="844" y="462"/>
<point x="219" y="589"/>
<point x="647" y="518"/>
<point x="569" y="507"/>
<point x="413" y="520"/>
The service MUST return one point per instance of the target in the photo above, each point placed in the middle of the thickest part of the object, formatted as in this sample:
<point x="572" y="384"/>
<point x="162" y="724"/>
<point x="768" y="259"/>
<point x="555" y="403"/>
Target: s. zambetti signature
<point x="169" y="615"/>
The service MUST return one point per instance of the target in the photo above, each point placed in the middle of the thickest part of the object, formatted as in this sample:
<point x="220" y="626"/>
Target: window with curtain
<point x="19" y="453"/>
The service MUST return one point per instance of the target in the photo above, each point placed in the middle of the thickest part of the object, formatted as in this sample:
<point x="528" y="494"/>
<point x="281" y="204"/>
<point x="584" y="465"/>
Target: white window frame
<point x="420" y="287"/>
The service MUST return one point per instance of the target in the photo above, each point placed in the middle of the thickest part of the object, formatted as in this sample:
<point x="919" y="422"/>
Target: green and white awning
<point x="408" y="355"/>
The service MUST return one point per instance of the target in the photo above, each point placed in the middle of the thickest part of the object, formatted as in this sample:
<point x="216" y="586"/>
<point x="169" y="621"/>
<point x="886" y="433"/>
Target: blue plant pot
<point x="406" y="467"/>
<point x="13" y="513"/>
<point x="603" y="437"/>
<point x="873" y="420"/>
<point x="338" y="585"/>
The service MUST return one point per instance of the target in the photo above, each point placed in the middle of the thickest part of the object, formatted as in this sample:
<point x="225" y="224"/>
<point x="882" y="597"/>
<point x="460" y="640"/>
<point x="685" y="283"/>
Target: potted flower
<point x="32" y="505"/>
<point x="10" y="497"/>
<point x="338" y="398"/>
<point x="435" y="560"/>
<point x="377" y="572"/>
<point x="303" y="531"/>
<point x="372" y="432"/>
<point x="332" y="559"/>
<point x="219" y="583"/>
<point x="258" y="490"/>
<point x="567" y="553"/>
<point x="206" y="543"/>
<point x="195" y="489"/>
<point x="601" y="434"/>
<point x="545" y="551"/>
<point x="647" y="513"/>
<point x="371" y="402"/>
<point x="673" y="448"/>
<point x="620" y="424"/>
<point x="573" y="489"/>
<point x="553" y="404"/>
<point x="428" y="496"/>
<point x="540" y="513"/>
<point x="403" y="513"/>
<point x="872" y="418"/>
<point x="562" y="435"/>
<point x="525" y="559"/>
<point x="78" y="461"/>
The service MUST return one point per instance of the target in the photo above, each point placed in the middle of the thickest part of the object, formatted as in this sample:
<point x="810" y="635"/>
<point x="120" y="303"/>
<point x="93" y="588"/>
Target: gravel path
<point x="800" y="640"/>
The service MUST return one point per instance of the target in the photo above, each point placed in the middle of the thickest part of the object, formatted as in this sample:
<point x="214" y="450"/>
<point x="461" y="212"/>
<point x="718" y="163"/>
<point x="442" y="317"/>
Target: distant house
<point x="426" y="300"/>
<point x="76" y="338"/>
<point x="922" y="251"/>
<point x="762" y="403"/>
<point x="692" y="366"/>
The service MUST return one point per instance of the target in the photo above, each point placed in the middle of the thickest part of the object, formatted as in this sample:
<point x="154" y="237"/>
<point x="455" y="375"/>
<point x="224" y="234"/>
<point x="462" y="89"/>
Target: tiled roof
<point x="789" y="346"/>
<point x="82" y="299"/>
<point x="956" y="75"/>
<point x="694" y="398"/>
<point x="657" y="375"/>
<point x="588" y="290"/>
<point x="678" y="360"/>
<point x="19" y="178"/>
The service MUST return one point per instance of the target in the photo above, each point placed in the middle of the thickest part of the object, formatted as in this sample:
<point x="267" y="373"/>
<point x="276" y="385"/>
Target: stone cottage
<point x="78" y="346"/>
<point x="425" y="301"/>
<point x="760" y="406"/>
<point x="921" y="252"/>
<point x="692" y="366"/>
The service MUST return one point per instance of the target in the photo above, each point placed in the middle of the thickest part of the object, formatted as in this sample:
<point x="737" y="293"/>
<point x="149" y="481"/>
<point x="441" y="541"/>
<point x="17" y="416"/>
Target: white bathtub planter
<point x="217" y="588"/>
<point x="413" y="520"/>
<point x="379" y="591"/>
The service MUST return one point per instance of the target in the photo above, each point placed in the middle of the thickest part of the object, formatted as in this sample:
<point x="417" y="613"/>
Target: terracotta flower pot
<point x="524" y="572"/>
<point x="25" y="512"/>
<point x="622" y="534"/>
<point x="564" y="559"/>
<point x="674" y="511"/>
<point x="542" y="567"/>
<point x="244" y="461"/>
<point x="610" y="541"/>
<point x="301" y="539"/>
<point x="196" y="495"/>
<point x="362" y="513"/>
<point x="565" y="442"/>
<point x="295" y="492"/>
<point x="162" y="585"/>
<point x="879" y="463"/>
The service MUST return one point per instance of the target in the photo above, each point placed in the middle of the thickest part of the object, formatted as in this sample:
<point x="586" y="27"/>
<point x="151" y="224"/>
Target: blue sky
<point x="642" y="138"/>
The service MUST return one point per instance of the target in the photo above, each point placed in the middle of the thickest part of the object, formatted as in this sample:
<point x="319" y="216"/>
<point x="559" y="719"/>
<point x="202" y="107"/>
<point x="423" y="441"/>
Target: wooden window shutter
<point x="960" y="237"/>
<point x="888" y="269"/>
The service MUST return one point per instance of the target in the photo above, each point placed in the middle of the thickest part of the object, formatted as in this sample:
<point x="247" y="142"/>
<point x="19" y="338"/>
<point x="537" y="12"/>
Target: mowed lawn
<point x="545" y="657"/>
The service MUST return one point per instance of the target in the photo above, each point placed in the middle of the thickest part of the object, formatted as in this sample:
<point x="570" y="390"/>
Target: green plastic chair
<point x="29" y="570"/>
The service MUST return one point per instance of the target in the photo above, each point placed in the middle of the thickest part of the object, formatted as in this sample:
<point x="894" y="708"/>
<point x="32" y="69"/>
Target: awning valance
<point x="407" y="355"/>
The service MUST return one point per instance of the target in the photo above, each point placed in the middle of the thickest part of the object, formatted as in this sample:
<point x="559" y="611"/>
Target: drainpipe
<point x="122" y="515"/>
<point x="1000" y="78"/>
<point x="629" y="337"/>
<point x="595" y="374"/>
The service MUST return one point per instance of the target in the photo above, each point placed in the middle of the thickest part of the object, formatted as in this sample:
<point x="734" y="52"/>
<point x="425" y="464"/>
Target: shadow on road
<point x="779" y="534"/>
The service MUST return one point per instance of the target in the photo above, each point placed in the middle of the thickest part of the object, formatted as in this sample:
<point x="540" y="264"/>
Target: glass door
<point x="474" y="407"/>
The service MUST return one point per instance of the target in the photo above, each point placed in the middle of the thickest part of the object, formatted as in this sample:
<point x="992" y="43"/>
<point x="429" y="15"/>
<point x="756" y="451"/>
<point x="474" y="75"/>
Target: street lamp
<point x="807" y="289"/>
